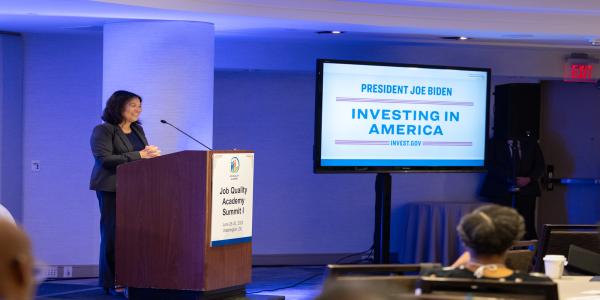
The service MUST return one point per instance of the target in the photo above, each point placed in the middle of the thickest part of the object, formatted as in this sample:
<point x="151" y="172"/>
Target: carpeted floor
<point x="306" y="282"/>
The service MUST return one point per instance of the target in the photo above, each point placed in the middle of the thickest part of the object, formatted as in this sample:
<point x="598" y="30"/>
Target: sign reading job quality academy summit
<point x="232" y="188"/>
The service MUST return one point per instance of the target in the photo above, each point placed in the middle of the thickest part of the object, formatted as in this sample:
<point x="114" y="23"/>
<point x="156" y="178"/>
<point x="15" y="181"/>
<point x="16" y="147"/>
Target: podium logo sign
<point x="232" y="198"/>
<point x="235" y="165"/>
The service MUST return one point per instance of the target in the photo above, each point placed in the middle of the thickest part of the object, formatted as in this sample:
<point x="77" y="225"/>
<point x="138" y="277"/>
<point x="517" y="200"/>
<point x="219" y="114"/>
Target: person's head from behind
<point x="16" y="263"/>
<point x="122" y="107"/>
<point x="491" y="230"/>
<point x="6" y="215"/>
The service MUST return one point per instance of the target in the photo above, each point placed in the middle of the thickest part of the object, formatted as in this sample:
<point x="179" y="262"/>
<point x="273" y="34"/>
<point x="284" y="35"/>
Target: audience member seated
<point x="16" y="263"/>
<point x="488" y="233"/>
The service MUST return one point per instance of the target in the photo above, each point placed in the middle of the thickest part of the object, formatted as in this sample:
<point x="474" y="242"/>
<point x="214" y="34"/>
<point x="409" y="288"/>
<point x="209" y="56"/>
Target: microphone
<point x="191" y="137"/>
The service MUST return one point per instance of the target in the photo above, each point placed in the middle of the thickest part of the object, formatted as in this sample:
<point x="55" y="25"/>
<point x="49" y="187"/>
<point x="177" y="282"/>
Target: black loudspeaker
<point x="517" y="110"/>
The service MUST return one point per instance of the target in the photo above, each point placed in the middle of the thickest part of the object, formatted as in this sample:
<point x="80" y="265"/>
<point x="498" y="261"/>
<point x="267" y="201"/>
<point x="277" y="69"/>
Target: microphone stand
<point x="191" y="137"/>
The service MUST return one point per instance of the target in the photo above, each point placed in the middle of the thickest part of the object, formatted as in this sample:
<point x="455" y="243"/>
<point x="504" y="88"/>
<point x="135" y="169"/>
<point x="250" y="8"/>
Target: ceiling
<point x="545" y="23"/>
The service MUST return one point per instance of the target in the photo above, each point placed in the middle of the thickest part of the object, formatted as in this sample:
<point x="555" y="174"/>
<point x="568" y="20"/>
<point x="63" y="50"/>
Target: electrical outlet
<point x="67" y="271"/>
<point x="36" y="165"/>
<point x="51" y="272"/>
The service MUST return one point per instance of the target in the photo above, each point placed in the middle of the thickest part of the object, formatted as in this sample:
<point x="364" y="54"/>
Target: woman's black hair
<point x="491" y="229"/>
<point x="115" y="105"/>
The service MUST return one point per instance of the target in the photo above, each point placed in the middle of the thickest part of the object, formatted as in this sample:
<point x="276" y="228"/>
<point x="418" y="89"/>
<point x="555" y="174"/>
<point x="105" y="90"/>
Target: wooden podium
<point x="163" y="228"/>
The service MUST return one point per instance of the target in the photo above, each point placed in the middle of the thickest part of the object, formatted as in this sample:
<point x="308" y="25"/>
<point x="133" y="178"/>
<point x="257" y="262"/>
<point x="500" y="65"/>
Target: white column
<point x="170" y="64"/>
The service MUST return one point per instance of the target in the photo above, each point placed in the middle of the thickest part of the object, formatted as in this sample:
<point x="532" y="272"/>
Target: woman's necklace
<point x="128" y="131"/>
<point x="489" y="270"/>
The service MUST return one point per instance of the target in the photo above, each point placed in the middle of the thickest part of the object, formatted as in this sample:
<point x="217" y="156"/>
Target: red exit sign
<point x="578" y="72"/>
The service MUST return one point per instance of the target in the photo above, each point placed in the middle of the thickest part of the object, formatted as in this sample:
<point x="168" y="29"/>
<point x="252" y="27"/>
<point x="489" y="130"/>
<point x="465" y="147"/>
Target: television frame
<point x="318" y="168"/>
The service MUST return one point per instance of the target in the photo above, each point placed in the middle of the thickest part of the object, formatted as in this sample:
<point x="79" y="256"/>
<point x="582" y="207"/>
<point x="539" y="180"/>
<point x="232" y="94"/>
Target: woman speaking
<point x="120" y="139"/>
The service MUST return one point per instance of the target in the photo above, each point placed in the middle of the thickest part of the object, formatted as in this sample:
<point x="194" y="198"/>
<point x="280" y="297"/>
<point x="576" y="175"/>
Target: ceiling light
<point x="458" y="38"/>
<point x="330" y="32"/>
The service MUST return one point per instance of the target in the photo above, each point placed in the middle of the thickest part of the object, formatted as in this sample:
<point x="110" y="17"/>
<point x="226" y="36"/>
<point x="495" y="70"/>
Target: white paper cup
<point x="554" y="265"/>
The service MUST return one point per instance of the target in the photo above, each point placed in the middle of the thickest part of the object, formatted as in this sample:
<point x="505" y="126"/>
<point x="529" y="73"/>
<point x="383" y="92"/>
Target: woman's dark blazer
<point x="111" y="148"/>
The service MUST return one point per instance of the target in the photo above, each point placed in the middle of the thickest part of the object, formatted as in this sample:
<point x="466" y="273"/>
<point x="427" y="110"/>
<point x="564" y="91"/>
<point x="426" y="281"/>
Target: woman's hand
<point x="150" y="152"/>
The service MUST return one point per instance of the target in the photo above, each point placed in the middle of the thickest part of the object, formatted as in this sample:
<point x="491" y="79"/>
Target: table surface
<point x="572" y="288"/>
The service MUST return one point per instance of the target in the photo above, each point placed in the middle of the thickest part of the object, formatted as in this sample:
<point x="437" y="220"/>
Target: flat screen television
<point x="386" y="117"/>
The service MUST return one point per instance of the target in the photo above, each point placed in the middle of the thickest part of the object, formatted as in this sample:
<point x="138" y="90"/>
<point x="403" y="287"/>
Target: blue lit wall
<point x="62" y="88"/>
<point x="263" y="100"/>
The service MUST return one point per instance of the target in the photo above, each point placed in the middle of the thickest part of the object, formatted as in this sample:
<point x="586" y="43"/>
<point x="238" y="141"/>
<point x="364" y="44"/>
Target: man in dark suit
<point x="515" y="166"/>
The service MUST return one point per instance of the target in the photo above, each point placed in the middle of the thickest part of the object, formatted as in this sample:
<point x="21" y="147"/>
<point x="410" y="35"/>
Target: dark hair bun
<point x="491" y="229"/>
